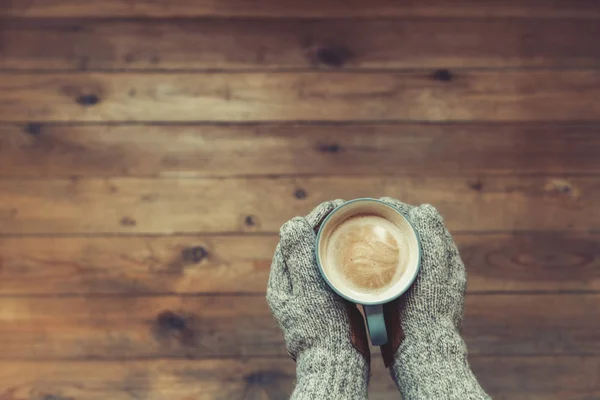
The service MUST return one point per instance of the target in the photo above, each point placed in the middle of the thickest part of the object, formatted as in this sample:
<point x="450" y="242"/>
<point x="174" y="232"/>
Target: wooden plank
<point x="538" y="378"/>
<point x="515" y="95"/>
<point x="206" y="264"/>
<point x="521" y="324"/>
<point x="138" y="327"/>
<point x="126" y="327"/>
<point x="135" y="265"/>
<point x="127" y="205"/>
<point x="38" y="150"/>
<point x="538" y="261"/>
<point x="514" y="378"/>
<point x="308" y="8"/>
<point x="271" y="378"/>
<point x="292" y="43"/>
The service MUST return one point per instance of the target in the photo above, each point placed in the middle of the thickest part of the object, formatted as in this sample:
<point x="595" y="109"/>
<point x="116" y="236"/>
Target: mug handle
<point x="376" y="324"/>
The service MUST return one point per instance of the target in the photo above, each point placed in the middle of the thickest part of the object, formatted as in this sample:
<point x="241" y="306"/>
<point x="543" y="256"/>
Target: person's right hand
<point x="426" y="352"/>
<point x="436" y="298"/>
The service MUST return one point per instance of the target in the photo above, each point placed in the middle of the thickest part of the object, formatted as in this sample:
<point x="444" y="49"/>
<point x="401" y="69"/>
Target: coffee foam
<point x="366" y="253"/>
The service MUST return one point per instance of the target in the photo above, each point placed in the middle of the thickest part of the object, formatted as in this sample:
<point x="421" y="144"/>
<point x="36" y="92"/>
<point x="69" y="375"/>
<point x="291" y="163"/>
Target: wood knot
<point x="329" y="148"/>
<point x="194" y="254"/>
<point x="443" y="75"/>
<point x="55" y="397"/>
<point x="333" y="56"/>
<point x="33" y="128"/>
<point x="149" y="198"/>
<point x="250" y="223"/>
<point x="561" y="187"/>
<point x="88" y="100"/>
<point x="477" y="185"/>
<point x="168" y="320"/>
<point x="250" y="220"/>
<point x="300" y="193"/>
<point x="43" y="396"/>
<point x="128" y="221"/>
<point x="172" y="326"/>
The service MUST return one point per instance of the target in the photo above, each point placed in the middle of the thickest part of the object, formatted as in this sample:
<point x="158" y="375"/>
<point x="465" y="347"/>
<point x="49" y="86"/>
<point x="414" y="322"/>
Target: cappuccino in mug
<point x="368" y="251"/>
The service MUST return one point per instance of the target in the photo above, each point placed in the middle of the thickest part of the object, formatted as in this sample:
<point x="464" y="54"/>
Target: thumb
<point x="317" y="215"/>
<point x="298" y="242"/>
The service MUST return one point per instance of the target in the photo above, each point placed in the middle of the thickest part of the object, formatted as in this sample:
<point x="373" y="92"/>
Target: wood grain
<point x="135" y="265"/>
<point x="543" y="378"/>
<point x="138" y="327"/>
<point x="538" y="261"/>
<point x="308" y="8"/>
<point x="505" y="378"/>
<point x="202" y="44"/>
<point x="127" y="205"/>
<point x="39" y="150"/>
<point x="515" y="95"/>
<point x="126" y="327"/>
<point x="240" y="264"/>
<point x="151" y="149"/>
<point x="271" y="378"/>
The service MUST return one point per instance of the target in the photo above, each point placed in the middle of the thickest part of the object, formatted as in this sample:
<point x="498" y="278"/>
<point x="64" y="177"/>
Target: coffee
<point x="367" y="253"/>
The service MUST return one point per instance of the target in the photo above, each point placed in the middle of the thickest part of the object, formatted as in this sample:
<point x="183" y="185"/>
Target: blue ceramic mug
<point x="341" y="227"/>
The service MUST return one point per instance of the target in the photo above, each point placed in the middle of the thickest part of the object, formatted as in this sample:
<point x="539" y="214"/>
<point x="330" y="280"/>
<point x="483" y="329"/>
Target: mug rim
<point x="322" y="271"/>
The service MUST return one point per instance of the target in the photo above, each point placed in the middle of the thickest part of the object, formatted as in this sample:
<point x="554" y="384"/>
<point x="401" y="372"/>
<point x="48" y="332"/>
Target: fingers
<point x="279" y="278"/>
<point x="434" y="258"/>
<point x="317" y="215"/>
<point x="458" y="273"/>
<point x="298" y="242"/>
<point x="279" y="286"/>
<point x="402" y="207"/>
<point x="458" y="280"/>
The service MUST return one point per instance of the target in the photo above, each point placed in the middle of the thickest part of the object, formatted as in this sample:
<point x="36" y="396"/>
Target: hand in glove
<point x="428" y="357"/>
<point x="324" y="333"/>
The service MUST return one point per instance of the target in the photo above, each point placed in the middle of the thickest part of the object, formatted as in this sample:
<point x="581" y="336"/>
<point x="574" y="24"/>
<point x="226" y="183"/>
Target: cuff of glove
<point x="433" y="365"/>
<point x="331" y="374"/>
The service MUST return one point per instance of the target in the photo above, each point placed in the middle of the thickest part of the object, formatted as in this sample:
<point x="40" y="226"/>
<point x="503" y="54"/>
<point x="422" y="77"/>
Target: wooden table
<point x="150" y="151"/>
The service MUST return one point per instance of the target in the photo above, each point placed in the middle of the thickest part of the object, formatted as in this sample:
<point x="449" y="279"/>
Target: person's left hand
<point x="324" y="333"/>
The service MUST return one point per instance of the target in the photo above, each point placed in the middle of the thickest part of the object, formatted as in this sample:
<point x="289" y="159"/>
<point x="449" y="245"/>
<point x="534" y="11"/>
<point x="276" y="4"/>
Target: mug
<point x="372" y="303"/>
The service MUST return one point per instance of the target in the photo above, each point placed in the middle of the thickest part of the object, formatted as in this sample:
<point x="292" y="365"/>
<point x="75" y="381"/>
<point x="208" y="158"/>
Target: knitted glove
<point x="431" y="360"/>
<point x="322" y="331"/>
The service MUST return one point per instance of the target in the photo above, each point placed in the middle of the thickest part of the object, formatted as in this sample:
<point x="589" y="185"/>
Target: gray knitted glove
<point x="315" y="321"/>
<point x="431" y="361"/>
